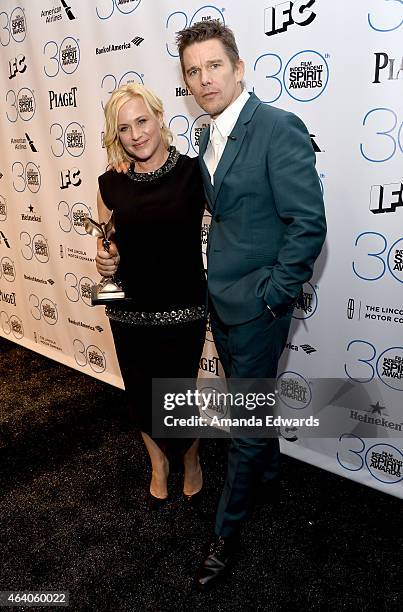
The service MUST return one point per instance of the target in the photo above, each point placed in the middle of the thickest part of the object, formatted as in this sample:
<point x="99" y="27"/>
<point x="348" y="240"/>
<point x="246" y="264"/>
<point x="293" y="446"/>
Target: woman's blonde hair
<point x="115" y="151"/>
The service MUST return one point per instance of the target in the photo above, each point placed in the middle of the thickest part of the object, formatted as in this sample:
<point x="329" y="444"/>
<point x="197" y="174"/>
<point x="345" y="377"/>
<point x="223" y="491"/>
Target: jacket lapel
<point x="234" y="143"/>
<point x="230" y="152"/>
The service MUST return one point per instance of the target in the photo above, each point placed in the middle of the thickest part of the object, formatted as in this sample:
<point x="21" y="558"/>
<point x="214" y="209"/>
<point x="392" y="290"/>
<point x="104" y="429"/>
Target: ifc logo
<point x="280" y="16"/>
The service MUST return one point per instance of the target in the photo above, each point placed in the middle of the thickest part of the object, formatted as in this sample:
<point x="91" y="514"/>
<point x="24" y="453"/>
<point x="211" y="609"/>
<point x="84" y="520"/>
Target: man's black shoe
<point x="215" y="565"/>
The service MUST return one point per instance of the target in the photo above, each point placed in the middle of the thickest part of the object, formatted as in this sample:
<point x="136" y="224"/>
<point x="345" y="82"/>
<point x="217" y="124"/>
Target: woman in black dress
<point x="158" y="206"/>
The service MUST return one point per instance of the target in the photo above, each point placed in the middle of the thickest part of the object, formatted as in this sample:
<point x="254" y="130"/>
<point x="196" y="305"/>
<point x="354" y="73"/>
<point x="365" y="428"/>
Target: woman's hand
<point x="107" y="263"/>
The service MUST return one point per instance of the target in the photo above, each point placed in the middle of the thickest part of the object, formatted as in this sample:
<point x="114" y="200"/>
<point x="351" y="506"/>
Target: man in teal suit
<point x="267" y="229"/>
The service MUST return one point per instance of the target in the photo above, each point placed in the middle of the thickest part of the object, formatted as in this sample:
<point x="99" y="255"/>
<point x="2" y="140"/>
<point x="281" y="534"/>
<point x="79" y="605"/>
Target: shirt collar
<point x="228" y="118"/>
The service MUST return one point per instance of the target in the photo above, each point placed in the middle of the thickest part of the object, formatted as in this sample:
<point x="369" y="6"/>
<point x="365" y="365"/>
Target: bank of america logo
<point x="308" y="349"/>
<point x="137" y="41"/>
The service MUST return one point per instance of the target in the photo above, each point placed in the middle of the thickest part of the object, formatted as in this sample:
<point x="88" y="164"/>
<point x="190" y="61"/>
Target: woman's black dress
<point x="158" y="221"/>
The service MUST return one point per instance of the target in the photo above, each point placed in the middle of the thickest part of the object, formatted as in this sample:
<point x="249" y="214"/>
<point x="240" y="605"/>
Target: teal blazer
<point x="268" y="220"/>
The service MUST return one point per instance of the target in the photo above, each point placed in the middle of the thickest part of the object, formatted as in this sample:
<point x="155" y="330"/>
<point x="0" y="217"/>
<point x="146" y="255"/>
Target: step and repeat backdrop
<point x="339" y="66"/>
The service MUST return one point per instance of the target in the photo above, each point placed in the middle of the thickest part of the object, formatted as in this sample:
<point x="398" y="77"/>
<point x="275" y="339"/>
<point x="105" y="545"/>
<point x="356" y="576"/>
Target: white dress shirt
<point x="220" y="128"/>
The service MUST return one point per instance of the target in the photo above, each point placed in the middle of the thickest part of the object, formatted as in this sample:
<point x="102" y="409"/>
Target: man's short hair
<point x="208" y="30"/>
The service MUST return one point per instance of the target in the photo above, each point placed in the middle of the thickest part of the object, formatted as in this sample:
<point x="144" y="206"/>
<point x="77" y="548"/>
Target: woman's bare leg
<point x="159" y="466"/>
<point x="193" y="481"/>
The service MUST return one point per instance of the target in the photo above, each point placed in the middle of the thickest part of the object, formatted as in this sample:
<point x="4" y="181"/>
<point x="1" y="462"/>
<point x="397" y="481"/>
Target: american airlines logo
<point x="68" y="10"/>
<point x="31" y="143"/>
<point x="3" y="238"/>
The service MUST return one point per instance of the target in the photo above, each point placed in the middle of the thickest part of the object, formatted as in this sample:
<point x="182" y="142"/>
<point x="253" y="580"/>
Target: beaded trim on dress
<point x="170" y="317"/>
<point x="155" y="174"/>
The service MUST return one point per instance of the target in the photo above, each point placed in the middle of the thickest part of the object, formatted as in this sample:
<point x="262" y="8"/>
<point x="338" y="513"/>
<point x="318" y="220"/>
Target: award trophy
<point x="108" y="290"/>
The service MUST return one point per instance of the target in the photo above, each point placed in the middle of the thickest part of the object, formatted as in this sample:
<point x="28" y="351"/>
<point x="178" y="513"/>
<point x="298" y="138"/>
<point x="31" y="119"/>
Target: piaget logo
<point x="9" y="298"/>
<point x="67" y="98"/>
<point x="387" y="68"/>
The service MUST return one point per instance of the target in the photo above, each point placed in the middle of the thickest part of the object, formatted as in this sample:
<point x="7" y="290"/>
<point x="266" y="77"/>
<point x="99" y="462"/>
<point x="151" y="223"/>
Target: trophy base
<point x="103" y="298"/>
